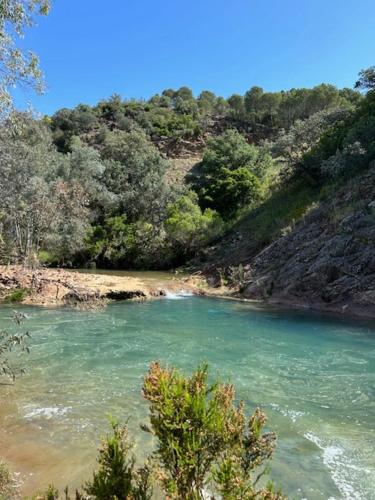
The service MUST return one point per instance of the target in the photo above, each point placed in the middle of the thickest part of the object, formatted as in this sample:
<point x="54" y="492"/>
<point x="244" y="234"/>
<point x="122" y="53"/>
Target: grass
<point x="280" y="211"/>
<point x="16" y="296"/>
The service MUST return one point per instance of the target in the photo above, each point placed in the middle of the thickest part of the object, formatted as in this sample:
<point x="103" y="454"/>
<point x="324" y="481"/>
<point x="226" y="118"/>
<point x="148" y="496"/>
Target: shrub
<point x="203" y="438"/>
<point x="7" y="485"/>
<point x="17" y="295"/>
<point x="205" y="446"/>
<point x="116" y="477"/>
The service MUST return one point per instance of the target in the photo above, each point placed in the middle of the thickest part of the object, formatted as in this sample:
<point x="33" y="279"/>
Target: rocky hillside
<point x="326" y="261"/>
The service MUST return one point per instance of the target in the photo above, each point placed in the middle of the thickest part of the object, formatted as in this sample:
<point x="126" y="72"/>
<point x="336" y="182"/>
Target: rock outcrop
<point x="327" y="261"/>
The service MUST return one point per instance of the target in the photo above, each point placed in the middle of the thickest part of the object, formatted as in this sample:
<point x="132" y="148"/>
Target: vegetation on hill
<point x="90" y="185"/>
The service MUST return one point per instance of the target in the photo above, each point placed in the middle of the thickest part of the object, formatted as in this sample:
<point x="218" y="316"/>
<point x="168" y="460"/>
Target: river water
<point x="313" y="375"/>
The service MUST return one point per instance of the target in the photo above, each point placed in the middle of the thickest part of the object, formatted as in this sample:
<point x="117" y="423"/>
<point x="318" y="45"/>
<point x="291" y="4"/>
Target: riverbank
<point x="56" y="287"/>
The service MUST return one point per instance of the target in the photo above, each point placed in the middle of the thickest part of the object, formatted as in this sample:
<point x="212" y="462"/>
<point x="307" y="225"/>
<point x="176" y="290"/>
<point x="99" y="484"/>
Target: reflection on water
<point x="314" y="376"/>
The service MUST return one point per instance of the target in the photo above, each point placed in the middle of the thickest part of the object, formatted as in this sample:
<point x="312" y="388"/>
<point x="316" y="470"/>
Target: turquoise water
<point x="314" y="376"/>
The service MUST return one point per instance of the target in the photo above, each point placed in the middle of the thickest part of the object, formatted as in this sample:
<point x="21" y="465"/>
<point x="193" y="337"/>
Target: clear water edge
<point x="313" y="375"/>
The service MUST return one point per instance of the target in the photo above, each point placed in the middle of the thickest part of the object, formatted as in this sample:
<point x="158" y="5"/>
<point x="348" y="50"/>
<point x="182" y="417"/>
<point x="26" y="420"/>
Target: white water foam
<point x="341" y="468"/>
<point x="178" y="295"/>
<point x="287" y="412"/>
<point x="47" y="412"/>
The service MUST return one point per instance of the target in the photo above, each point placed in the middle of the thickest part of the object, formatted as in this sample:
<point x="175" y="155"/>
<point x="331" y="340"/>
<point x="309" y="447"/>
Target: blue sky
<point x="90" y="49"/>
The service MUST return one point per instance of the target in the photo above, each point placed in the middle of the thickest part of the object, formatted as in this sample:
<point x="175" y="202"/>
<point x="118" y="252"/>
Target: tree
<point x="366" y="80"/>
<point x="231" y="190"/>
<point x="44" y="195"/>
<point x="206" y="102"/>
<point x="237" y="105"/>
<point x="231" y="170"/>
<point x="17" y="66"/>
<point x="28" y="163"/>
<point x="85" y="167"/>
<point x="291" y="146"/>
<point x="253" y="100"/>
<point x="188" y="227"/>
<point x="231" y="150"/>
<point x="135" y="172"/>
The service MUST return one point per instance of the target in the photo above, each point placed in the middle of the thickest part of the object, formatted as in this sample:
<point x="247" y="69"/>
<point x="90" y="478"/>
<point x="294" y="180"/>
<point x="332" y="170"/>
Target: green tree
<point x="366" y="80"/>
<point x="188" y="227"/>
<point x="135" y="173"/>
<point x="231" y="190"/>
<point x="207" y="102"/>
<point x="237" y="105"/>
<point x="231" y="150"/>
<point x="16" y="65"/>
<point x="231" y="170"/>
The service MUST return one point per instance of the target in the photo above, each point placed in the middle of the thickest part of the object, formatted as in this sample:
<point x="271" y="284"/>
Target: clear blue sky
<point x="90" y="49"/>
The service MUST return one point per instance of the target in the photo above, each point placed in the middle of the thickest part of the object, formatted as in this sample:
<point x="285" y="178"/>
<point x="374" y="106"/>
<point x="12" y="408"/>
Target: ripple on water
<point x="314" y="376"/>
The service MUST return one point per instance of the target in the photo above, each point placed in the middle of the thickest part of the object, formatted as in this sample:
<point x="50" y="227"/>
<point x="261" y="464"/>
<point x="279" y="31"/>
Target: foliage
<point x="200" y="431"/>
<point x="17" y="295"/>
<point x="118" y="243"/>
<point x="7" y="484"/>
<point x="205" y="445"/>
<point x="231" y="150"/>
<point x="346" y="148"/>
<point x="135" y="174"/>
<point x="37" y="204"/>
<point x="16" y="65"/>
<point x="291" y="146"/>
<point x="116" y="477"/>
<point x="93" y="183"/>
<point x="10" y="342"/>
<point x="188" y="226"/>
<point x="231" y="173"/>
<point x="366" y="79"/>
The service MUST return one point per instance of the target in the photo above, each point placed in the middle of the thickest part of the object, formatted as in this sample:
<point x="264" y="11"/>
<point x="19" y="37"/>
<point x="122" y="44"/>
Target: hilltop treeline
<point x="91" y="184"/>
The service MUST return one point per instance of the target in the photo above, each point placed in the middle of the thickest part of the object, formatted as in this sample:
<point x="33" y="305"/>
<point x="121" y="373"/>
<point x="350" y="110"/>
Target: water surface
<point x="313" y="375"/>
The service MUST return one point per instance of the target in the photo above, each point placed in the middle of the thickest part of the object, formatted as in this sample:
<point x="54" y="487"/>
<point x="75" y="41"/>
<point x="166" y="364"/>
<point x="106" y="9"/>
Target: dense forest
<point x="94" y="185"/>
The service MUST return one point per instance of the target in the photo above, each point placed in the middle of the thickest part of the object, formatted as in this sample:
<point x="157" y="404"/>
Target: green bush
<point x="204" y="441"/>
<point x="205" y="445"/>
<point x="116" y="477"/>
<point x="17" y="295"/>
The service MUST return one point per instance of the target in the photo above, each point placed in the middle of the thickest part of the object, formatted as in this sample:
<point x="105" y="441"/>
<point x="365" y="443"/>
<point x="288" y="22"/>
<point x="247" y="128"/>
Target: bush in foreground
<point x="205" y="446"/>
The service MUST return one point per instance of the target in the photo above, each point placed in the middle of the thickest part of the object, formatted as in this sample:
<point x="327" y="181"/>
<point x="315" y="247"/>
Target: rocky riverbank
<point x="325" y="261"/>
<point x="54" y="287"/>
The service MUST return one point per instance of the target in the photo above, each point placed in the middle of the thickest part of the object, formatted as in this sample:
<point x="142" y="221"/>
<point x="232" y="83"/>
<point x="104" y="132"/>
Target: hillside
<point x="228" y="187"/>
<point x="325" y="261"/>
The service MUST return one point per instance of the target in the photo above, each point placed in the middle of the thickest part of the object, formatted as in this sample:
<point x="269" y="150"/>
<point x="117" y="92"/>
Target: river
<point x="312" y="374"/>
